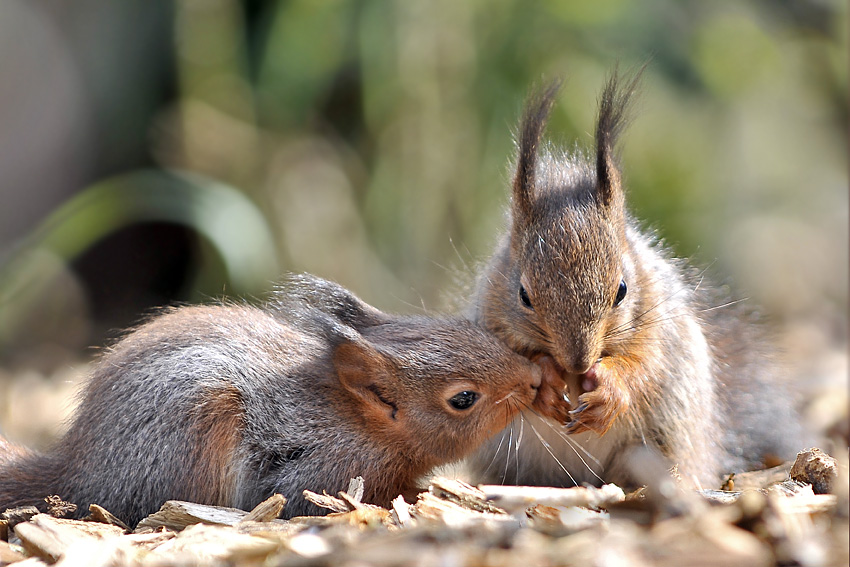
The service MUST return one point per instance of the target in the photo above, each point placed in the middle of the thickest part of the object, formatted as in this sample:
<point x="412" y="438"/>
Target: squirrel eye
<point x="463" y="400"/>
<point x="523" y="296"/>
<point x="621" y="293"/>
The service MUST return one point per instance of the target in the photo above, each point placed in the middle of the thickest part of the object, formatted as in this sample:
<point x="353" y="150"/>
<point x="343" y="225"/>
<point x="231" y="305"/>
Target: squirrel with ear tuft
<point x="650" y="355"/>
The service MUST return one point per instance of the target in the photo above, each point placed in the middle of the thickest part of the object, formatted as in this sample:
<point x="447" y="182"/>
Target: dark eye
<point x="621" y="293"/>
<point x="523" y="296"/>
<point x="463" y="400"/>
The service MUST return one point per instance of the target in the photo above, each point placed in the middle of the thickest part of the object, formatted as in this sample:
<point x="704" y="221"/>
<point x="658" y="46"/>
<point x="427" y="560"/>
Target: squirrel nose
<point x="536" y="377"/>
<point x="582" y="364"/>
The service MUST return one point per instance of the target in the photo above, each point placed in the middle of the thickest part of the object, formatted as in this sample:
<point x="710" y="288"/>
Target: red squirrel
<point x="650" y="354"/>
<point x="228" y="404"/>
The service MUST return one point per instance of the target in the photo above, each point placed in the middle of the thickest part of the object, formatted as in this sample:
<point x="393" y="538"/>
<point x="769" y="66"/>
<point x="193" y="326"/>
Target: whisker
<point x="576" y="446"/>
<point x="508" y="453"/>
<point x="507" y="396"/>
<point x="516" y="449"/>
<point x="551" y="454"/>
<point x="639" y="316"/>
<point x="464" y="263"/>
<point x="722" y="305"/>
<point x="495" y="453"/>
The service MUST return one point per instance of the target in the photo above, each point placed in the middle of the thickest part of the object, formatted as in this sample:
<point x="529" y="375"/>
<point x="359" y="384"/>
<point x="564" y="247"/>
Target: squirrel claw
<point x="583" y="406"/>
<point x="598" y="408"/>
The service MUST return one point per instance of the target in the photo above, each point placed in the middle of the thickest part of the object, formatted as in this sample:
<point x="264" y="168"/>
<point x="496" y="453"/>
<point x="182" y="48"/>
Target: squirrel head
<point x="433" y="389"/>
<point x="569" y="273"/>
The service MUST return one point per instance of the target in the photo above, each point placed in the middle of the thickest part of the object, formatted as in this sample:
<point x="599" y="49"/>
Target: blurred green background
<point x="154" y="152"/>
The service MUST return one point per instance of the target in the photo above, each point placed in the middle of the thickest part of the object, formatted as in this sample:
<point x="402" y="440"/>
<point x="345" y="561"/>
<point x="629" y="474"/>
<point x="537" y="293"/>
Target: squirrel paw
<point x="551" y="400"/>
<point x="600" y="404"/>
<point x="552" y="403"/>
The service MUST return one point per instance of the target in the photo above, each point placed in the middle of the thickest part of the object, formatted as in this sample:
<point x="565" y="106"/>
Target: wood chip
<point x="721" y="496"/>
<point x="177" y="515"/>
<point x="10" y="553"/>
<point x="355" y="504"/>
<point x="59" y="508"/>
<point x="357" y="488"/>
<point x="754" y="480"/>
<point x="31" y="562"/>
<point x="431" y="508"/>
<point x="514" y="498"/>
<point x="104" y="516"/>
<point x="326" y="501"/>
<point x="14" y="516"/>
<point x="267" y="510"/>
<point x="560" y="521"/>
<point x="49" y="538"/>
<point x="454" y="523"/>
<point x="273" y="529"/>
<point x="462" y="494"/>
<point x="816" y="468"/>
<point x="366" y="516"/>
<point x="203" y="544"/>
<point x="309" y="545"/>
<point x="401" y="511"/>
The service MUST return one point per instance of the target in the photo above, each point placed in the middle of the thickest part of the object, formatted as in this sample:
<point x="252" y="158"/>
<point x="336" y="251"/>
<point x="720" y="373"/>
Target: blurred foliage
<point x="375" y="135"/>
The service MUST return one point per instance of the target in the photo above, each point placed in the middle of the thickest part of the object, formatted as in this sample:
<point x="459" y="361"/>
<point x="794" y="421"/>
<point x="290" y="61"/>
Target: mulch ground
<point x="790" y="515"/>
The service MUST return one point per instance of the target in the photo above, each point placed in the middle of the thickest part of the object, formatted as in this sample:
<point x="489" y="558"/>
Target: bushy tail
<point x="26" y="477"/>
<point x="10" y="452"/>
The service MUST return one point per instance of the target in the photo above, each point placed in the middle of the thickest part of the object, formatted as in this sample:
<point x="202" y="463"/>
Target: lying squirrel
<point x="650" y="354"/>
<point x="228" y="404"/>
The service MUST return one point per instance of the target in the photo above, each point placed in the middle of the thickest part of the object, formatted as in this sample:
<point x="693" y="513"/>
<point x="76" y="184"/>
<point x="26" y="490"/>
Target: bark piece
<point x="816" y="468"/>
<point x="49" y="538"/>
<point x="59" y="508"/>
<point x="14" y="516"/>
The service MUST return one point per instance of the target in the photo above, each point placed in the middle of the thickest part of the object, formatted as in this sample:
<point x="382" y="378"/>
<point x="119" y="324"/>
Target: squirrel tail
<point x="25" y="476"/>
<point x="11" y="452"/>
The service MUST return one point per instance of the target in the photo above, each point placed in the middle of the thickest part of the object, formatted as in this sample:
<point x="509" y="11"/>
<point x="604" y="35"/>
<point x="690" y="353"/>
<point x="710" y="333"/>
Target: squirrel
<point x="650" y="355"/>
<point x="227" y="404"/>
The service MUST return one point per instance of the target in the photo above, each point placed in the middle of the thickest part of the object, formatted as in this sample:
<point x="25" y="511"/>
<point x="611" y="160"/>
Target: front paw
<point x="551" y="400"/>
<point x="604" y="398"/>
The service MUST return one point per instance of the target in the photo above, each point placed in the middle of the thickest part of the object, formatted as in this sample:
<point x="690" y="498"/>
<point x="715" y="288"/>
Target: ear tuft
<point x="614" y="106"/>
<point x="536" y="114"/>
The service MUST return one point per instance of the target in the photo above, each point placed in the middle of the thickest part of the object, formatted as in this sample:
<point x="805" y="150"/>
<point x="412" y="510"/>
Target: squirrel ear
<point x="306" y="291"/>
<point x="362" y="370"/>
<point x="534" y="118"/>
<point x="614" y="105"/>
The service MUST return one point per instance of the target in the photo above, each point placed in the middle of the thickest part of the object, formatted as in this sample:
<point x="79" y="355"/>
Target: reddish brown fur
<point x="609" y="394"/>
<point x="217" y="429"/>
